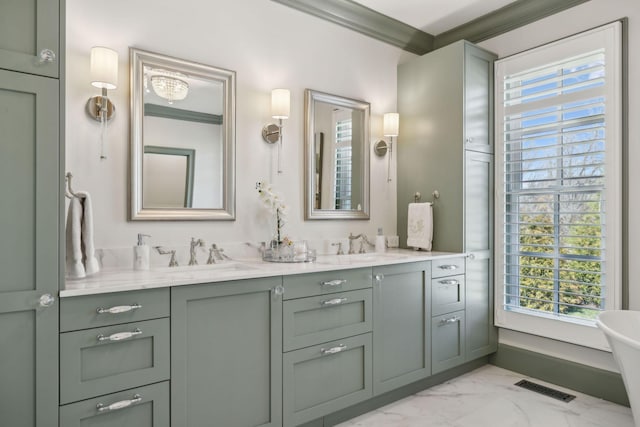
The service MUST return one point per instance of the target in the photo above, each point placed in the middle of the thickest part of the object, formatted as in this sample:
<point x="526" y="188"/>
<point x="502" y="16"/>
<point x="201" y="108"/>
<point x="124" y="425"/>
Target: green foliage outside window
<point x="560" y="265"/>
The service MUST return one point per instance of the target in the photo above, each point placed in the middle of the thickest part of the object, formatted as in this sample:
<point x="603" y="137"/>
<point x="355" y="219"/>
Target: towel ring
<point x="69" y="193"/>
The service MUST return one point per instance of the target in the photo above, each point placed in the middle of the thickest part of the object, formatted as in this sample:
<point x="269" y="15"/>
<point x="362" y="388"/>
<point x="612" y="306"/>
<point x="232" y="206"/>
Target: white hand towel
<point x="420" y="225"/>
<point x="91" y="264"/>
<point x="75" y="267"/>
<point x="81" y="258"/>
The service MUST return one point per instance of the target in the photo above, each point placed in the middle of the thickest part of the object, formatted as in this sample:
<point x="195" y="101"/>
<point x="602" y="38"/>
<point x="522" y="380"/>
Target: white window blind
<point x="554" y="187"/>
<point x="343" y="160"/>
<point x="558" y="144"/>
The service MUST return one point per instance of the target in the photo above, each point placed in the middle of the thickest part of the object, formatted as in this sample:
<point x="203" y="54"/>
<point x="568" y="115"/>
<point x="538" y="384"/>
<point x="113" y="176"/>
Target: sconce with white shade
<point x="104" y="75"/>
<point x="280" y="109"/>
<point x="391" y="128"/>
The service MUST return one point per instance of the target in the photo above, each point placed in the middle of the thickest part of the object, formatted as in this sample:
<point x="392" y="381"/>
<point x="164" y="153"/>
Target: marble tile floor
<point x="487" y="397"/>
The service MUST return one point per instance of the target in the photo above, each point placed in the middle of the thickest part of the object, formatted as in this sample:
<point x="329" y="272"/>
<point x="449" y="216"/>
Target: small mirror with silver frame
<point x="182" y="139"/>
<point x="336" y="157"/>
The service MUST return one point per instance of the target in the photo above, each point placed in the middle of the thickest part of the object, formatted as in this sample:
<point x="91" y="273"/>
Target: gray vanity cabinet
<point x="29" y="35"/>
<point x="28" y="248"/>
<point x="226" y="354"/>
<point x="401" y="325"/>
<point x="445" y="100"/>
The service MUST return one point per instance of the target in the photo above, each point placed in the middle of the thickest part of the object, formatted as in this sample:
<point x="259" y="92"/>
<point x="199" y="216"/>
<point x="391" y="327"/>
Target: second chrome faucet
<point x="192" y="250"/>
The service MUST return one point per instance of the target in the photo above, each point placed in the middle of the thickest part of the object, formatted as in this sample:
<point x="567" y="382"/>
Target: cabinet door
<point x="140" y="407"/>
<point x="104" y="360"/>
<point x="481" y="334"/>
<point x="401" y="317"/>
<point x="28" y="249"/>
<point x="325" y="378"/>
<point x="478" y="98"/>
<point x="27" y="28"/>
<point x="308" y="321"/>
<point x="478" y="202"/>
<point x="226" y="354"/>
<point x="448" y="343"/>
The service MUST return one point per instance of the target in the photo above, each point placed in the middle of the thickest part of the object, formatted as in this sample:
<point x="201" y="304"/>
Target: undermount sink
<point x="220" y="267"/>
<point x="358" y="258"/>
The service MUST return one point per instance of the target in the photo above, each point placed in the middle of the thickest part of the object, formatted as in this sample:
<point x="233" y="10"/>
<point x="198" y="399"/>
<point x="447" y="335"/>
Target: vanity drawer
<point x="323" y="379"/>
<point x="447" y="341"/>
<point x="326" y="282"/>
<point x="104" y="360"/>
<point x="447" y="267"/>
<point x="141" y="407"/>
<point x="447" y="294"/>
<point x="92" y="311"/>
<point x="313" y="320"/>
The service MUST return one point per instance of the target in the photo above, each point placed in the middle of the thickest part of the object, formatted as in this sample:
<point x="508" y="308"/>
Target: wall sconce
<point x="391" y="127"/>
<point x="104" y="75"/>
<point x="280" y="108"/>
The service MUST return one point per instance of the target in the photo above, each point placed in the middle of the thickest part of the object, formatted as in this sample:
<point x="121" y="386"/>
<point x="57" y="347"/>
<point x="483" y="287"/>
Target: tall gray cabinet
<point x="29" y="189"/>
<point x="445" y="101"/>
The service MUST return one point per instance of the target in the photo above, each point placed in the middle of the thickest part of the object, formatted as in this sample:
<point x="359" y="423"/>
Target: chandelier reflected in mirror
<point x="169" y="88"/>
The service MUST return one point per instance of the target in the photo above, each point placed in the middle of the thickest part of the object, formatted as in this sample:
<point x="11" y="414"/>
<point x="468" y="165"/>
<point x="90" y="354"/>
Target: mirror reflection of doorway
<point x="168" y="177"/>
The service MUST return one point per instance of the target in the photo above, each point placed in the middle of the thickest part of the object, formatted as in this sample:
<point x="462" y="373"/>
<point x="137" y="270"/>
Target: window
<point x="343" y="163"/>
<point x="558" y="147"/>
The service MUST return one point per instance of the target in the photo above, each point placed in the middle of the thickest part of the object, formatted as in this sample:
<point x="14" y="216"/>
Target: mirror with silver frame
<point x="182" y="139"/>
<point x="336" y="157"/>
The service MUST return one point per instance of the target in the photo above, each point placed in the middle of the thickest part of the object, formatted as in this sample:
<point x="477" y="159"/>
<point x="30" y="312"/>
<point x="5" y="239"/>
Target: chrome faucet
<point x="219" y="252"/>
<point x="339" y="245"/>
<point x="192" y="250"/>
<point x="216" y="252"/>
<point x="163" y="251"/>
<point x="212" y="258"/>
<point x="351" y="240"/>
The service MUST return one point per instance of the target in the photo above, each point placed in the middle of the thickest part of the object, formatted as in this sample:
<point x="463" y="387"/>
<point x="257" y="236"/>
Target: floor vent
<point x="556" y="394"/>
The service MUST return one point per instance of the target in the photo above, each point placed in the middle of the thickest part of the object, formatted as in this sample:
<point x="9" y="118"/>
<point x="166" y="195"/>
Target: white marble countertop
<point x="117" y="280"/>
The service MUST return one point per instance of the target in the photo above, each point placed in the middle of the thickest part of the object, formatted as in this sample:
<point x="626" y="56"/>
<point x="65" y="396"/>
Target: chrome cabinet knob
<point x="46" y="300"/>
<point x="379" y="277"/>
<point x="46" y="55"/>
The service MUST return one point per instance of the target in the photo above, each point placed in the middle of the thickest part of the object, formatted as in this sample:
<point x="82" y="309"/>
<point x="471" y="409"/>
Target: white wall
<point x="585" y="16"/>
<point x="268" y="45"/>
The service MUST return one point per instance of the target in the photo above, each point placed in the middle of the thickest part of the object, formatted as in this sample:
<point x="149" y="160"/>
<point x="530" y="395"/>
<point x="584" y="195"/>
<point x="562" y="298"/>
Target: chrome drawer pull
<point x="333" y="350"/>
<point x="119" y="405"/>
<point x="448" y="267"/>
<point x="335" y="301"/>
<point x="119" y="336"/>
<point x="449" y="282"/>
<point x="118" y="309"/>
<point x="449" y="320"/>
<point x="333" y="283"/>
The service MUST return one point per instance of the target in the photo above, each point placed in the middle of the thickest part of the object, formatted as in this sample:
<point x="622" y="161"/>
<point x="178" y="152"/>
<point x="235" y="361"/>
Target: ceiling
<point x="434" y="16"/>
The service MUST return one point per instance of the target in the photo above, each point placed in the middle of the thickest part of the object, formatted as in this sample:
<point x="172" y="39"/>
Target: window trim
<point x="567" y="330"/>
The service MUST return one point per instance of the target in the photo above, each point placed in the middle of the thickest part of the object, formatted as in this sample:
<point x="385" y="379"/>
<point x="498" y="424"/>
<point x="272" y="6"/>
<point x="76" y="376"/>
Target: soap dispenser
<point x="381" y="243"/>
<point x="141" y="253"/>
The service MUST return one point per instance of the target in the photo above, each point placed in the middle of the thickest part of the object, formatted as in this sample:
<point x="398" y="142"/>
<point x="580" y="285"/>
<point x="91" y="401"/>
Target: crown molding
<point x="357" y="17"/>
<point x="503" y="20"/>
